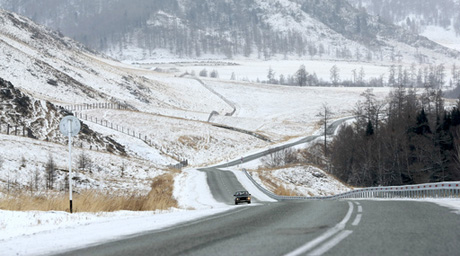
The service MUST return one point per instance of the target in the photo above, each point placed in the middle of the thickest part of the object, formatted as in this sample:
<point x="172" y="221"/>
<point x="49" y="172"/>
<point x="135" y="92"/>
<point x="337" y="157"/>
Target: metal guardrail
<point x="420" y="191"/>
<point x="427" y="190"/>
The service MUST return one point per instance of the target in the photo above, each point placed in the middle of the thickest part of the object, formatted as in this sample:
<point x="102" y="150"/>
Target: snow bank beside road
<point x="39" y="233"/>
<point x="59" y="231"/>
<point x="192" y="191"/>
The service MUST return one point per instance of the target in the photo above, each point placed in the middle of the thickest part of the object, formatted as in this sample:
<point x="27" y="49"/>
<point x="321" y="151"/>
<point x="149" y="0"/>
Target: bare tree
<point x="325" y="114"/>
<point x="335" y="75"/>
<point x="301" y="76"/>
<point x="203" y="73"/>
<point x="84" y="161"/>
<point x="281" y="158"/>
<point x="36" y="177"/>
<point x="214" y="74"/>
<point x="23" y="162"/>
<point x="50" y="172"/>
<point x="122" y="169"/>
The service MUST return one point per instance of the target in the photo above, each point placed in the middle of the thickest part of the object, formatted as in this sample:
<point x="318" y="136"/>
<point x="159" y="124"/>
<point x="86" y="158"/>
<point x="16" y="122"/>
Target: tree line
<point x="413" y="138"/>
<point x="429" y="76"/>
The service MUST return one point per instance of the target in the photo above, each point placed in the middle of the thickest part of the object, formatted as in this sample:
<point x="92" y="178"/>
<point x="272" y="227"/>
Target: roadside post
<point x="70" y="126"/>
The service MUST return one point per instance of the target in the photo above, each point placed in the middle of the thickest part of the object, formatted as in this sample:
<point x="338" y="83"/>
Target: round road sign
<point x="70" y="124"/>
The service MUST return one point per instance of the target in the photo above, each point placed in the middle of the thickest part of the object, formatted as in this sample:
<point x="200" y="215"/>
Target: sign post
<point x="70" y="126"/>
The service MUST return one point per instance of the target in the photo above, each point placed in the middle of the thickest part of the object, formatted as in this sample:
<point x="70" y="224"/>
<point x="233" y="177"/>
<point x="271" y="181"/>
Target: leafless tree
<point x="50" y="169"/>
<point x="325" y="114"/>
<point x="281" y="158"/>
<point x="84" y="161"/>
<point x="335" y="75"/>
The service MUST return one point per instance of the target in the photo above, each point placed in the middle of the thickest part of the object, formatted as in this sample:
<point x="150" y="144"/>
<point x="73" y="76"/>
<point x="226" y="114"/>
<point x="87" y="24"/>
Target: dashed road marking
<point x="331" y="243"/>
<point x="331" y="232"/>
<point x="357" y="220"/>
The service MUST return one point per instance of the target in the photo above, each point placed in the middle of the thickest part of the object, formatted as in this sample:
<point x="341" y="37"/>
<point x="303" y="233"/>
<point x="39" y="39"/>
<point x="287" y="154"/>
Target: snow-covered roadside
<point x="449" y="203"/>
<point x="40" y="233"/>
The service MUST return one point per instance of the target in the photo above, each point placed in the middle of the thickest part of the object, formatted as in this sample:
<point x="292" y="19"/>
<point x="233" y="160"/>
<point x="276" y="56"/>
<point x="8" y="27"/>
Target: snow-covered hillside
<point x="150" y="120"/>
<point x="254" y="29"/>
<point x="181" y="118"/>
<point x="438" y="20"/>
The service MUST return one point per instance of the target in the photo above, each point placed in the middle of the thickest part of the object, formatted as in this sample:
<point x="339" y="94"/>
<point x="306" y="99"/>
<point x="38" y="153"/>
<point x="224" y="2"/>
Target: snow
<point x="444" y="37"/>
<point x="41" y="233"/>
<point x="103" y="173"/>
<point x="173" y="113"/>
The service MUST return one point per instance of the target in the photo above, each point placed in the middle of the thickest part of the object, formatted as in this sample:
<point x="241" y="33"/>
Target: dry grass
<point x="271" y="183"/>
<point x="283" y="191"/>
<point x="159" y="198"/>
<point x="194" y="142"/>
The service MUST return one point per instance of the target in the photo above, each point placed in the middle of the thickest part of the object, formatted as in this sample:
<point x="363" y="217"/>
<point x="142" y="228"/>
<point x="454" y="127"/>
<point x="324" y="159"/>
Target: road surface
<point x="304" y="228"/>
<point x="340" y="227"/>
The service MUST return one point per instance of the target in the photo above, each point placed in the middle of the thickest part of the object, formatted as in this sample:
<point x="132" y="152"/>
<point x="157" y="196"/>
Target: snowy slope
<point x="171" y="111"/>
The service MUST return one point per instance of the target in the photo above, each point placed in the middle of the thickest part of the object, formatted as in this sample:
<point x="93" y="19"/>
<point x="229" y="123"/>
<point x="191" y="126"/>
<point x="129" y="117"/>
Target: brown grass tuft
<point x="283" y="191"/>
<point x="160" y="197"/>
<point x="269" y="181"/>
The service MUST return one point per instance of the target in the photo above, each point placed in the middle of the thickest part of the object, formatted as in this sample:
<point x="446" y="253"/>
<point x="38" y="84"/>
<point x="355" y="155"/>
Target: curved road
<point x="304" y="228"/>
<point x="344" y="227"/>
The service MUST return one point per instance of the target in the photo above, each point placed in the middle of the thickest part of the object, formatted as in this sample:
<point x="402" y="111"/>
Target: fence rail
<point x="130" y="132"/>
<point x="420" y="191"/>
<point x="17" y="130"/>
<point x="103" y="105"/>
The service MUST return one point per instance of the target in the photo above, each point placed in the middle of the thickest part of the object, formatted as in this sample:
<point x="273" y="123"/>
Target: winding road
<point x="299" y="227"/>
<point x="304" y="228"/>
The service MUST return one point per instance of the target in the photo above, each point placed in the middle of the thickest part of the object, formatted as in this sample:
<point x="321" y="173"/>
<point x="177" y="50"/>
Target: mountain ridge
<point x="225" y="29"/>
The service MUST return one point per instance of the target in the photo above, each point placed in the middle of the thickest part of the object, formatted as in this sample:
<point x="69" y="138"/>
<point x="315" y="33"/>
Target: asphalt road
<point x="304" y="228"/>
<point x="344" y="227"/>
<point x="329" y="131"/>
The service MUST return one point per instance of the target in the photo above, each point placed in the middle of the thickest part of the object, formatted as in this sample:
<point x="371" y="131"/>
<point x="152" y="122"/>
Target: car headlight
<point x="249" y="198"/>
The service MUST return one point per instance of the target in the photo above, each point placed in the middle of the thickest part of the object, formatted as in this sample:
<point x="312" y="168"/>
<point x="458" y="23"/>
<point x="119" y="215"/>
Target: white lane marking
<point x="357" y="220"/>
<point x="331" y="243"/>
<point x="357" y="203"/>
<point x="337" y="228"/>
<point x="348" y="216"/>
<point x="360" y="208"/>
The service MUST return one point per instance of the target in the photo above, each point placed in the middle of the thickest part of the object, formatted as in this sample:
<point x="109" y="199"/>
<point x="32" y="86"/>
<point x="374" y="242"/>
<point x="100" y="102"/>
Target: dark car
<point x="242" y="196"/>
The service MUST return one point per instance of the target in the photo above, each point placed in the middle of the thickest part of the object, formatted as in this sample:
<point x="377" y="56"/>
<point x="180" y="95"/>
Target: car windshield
<point x="241" y="193"/>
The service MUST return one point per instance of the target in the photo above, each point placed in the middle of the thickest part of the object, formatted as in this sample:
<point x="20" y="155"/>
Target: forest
<point x="411" y="138"/>
<point x="415" y="15"/>
<point x="187" y="28"/>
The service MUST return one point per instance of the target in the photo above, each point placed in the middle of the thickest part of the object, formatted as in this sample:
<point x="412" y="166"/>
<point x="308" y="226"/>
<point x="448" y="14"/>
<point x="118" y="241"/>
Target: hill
<point x="438" y="20"/>
<point x="151" y="119"/>
<point x="145" y="29"/>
